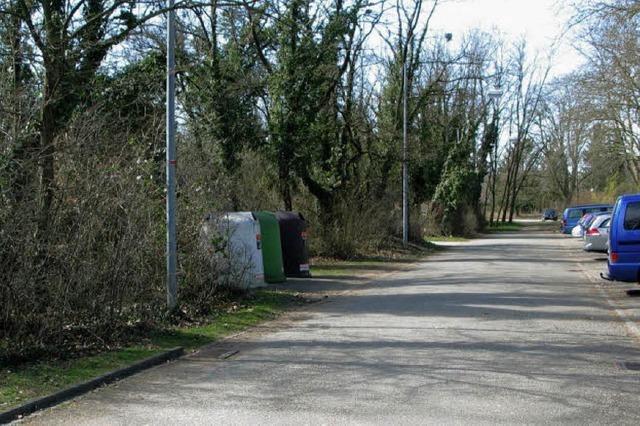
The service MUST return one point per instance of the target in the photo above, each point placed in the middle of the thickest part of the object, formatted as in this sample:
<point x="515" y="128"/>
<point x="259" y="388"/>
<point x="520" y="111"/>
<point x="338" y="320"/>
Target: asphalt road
<point x="503" y="330"/>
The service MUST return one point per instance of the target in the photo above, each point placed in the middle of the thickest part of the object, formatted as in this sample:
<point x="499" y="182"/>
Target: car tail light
<point x="613" y="257"/>
<point x="593" y="231"/>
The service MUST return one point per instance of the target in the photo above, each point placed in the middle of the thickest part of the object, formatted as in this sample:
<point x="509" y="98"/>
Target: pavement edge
<point x="66" y="394"/>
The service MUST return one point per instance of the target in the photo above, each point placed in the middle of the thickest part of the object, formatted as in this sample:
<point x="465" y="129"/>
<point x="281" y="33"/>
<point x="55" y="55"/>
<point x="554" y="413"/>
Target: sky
<point x="542" y="22"/>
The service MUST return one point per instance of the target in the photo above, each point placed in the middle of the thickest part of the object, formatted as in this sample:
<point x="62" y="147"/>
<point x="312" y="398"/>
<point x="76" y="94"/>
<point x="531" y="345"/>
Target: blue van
<point x="572" y="215"/>
<point x="624" y="239"/>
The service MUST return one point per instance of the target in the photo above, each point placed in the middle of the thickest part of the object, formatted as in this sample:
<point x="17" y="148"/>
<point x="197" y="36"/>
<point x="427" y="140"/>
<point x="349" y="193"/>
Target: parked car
<point x="572" y="215"/>
<point x="578" y="230"/>
<point x="550" y="214"/>
<point x="596" y="238"/>
<point x="624" y="239"/>
<point x="588" y="223"/>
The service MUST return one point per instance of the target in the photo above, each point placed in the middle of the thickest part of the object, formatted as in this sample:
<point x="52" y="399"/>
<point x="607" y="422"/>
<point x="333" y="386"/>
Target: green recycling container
<point x="271" y="248"/>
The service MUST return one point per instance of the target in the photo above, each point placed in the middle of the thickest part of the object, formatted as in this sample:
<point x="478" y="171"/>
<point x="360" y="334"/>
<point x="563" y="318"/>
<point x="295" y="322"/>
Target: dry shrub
<point x="99" y="271"/>
<point x="356" y="226"/>
<point x="207" y="277"/>
<point x="469" y="223"/>
<point x="416" y="225"/>
<point x="461" y="222"/>
<point x="95" y="271"/>
<point x="431" y="217"/>
<point x="255" y="184"/>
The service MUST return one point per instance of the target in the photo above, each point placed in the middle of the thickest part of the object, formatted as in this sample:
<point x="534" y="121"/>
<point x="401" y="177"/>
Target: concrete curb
<point x="82" y="388"/>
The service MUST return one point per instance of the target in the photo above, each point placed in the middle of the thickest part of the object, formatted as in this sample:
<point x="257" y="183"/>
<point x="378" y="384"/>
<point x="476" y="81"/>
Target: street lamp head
<point x="495" y="93"/>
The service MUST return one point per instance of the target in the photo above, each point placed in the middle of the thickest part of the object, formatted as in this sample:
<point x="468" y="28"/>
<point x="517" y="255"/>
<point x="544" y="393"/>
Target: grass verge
<point x="441" y="239"/>
<point x="326" y="268"/>
<point x="381" y="261"/>
<point x="505" y="227"/>
<point x="19" y="384"/>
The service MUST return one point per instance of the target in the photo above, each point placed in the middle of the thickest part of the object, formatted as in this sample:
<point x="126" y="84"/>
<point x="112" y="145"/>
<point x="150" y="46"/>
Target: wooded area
<point x="282" y="104"/>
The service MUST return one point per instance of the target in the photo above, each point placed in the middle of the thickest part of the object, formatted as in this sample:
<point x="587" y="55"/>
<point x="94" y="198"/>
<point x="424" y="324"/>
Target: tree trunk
<point x="56" y="111"/>
<point x="504" y="205"/>
<point x="485" y="167"/>
<point x="285" y="189"/>
<point x="493" y="196"/>
<point x="516" y="171"/>
<point x="47" y="165"/>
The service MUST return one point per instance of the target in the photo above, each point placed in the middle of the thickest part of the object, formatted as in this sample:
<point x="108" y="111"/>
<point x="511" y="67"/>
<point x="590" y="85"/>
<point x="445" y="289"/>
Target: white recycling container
<point x="238" y="246"/>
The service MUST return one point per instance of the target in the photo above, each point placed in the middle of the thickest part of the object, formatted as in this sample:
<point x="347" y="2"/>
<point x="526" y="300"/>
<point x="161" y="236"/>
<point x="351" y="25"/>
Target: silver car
<point x="596" y="237"/>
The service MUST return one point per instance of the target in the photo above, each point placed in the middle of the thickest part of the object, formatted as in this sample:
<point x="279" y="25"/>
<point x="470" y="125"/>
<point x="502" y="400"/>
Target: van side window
<point x="575" y="214"/>
<point x="632" y="216"/>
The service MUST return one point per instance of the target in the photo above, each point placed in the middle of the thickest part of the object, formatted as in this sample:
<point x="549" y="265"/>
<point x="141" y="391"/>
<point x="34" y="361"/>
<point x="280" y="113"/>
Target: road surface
<point x="502" y="330"/>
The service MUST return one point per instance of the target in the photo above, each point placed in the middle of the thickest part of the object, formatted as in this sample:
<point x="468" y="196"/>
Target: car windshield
<point x="585" y="219"/>
<point x="632" y="217"/>
<point x="591" y="221"/>
<point x="599" y="220"/>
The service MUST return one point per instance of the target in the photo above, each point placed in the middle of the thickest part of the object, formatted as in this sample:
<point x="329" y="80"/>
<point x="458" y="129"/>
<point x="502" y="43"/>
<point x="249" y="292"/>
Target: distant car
<point x="572" y="215"/>
<point x="624" y="240"/>
<point x="596" y="238"/>
<point x="550" y="214"/>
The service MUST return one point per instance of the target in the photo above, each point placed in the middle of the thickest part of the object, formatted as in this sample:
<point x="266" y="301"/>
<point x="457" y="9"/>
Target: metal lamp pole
<point x="172" y="285"/>
<point x="405" y="159"/>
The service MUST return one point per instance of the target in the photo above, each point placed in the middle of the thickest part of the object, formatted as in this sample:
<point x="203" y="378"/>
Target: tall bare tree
<point x="529" y="82"/>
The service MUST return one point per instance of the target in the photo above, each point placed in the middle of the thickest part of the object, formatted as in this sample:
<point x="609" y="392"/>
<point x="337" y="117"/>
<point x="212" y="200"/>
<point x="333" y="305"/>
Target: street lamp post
<point x="171" y="251"/>
<point x="405" y="165"/>
<point x="494" y="94"/>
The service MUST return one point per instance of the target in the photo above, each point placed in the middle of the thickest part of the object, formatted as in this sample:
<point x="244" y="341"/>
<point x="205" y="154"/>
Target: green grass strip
<point x="26" y="382"/>
<point x="450" y="239"/>
<point x="505" y="227"/>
